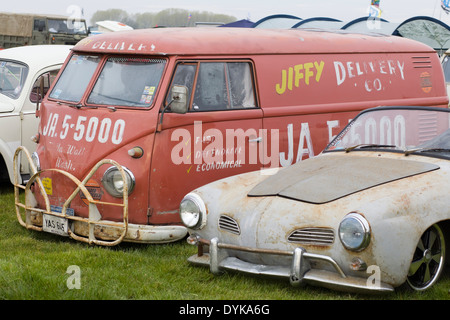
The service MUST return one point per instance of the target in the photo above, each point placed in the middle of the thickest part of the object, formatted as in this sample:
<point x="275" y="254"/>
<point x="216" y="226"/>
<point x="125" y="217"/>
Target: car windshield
<point x="75" y="78"/>
<point x="12" y="78"/>
<point x="67" y="26"/>
<point x="127" y="82"/>
<point x="401" y="129"/>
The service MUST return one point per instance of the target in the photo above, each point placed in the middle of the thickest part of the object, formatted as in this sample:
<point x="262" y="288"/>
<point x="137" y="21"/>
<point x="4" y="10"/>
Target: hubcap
<point x="428" y="259"/>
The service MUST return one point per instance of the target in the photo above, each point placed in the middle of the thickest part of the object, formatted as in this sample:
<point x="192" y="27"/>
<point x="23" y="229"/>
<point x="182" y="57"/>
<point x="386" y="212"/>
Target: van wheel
<point x="428" y="260"/>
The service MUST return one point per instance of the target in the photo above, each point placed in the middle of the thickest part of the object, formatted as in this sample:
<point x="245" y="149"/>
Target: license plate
<point x="57" y="225"/>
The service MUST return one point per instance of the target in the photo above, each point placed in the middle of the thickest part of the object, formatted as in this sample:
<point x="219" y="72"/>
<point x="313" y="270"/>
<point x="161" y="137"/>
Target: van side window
<point x="242" y="94"/>
<point x="185" y="76"/>
<point x="224" y="85"/>
<point x="218" y="85"/>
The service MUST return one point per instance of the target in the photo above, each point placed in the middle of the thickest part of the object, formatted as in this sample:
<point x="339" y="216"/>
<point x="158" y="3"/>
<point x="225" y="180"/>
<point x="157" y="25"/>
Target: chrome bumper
<point x="298" y="273"/>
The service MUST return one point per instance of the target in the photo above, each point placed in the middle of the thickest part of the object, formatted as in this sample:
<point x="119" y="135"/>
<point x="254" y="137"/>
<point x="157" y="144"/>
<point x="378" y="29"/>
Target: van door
<point x="218" y="136"/>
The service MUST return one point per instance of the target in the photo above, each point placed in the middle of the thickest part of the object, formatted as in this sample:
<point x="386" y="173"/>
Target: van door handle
<point x="258" y="139"/>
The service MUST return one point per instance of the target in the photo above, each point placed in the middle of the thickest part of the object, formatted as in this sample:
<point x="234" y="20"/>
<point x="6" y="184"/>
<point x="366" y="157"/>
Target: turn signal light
<point x="136" y="152"/>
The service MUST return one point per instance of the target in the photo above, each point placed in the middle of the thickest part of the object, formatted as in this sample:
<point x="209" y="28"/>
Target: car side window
<point x="48" y="79"/>
<point x="217" y="85"/>
<point x="446" y="68"/>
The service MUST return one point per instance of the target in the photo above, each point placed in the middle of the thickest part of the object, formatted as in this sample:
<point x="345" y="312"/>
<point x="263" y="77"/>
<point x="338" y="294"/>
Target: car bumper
<point x="299" y="272"/>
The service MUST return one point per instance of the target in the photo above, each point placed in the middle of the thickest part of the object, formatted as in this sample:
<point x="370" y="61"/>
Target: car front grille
<point x="312" y="236"/>
<point x="229" y="224"/>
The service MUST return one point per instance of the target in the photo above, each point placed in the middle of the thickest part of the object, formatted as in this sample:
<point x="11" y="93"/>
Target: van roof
<point x="206" y="41"/>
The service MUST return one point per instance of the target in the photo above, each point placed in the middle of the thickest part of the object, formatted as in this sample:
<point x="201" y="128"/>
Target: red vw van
<point x="137" y="119"/>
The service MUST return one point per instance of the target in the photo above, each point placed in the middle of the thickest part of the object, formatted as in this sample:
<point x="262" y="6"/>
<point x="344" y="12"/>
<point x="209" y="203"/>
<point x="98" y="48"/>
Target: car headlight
<point x="114" y="184"/>
<point x="193" y="211"/>
<point x="354" y="232"/>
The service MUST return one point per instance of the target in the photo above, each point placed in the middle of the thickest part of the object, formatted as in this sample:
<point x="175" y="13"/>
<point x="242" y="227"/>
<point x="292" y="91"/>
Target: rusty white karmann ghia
<point x="369" y="214"/>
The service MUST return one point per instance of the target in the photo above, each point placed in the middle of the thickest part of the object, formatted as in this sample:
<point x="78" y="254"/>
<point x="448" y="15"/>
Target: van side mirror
<point x="178" y="103"/>
<point x="178" y="97"/>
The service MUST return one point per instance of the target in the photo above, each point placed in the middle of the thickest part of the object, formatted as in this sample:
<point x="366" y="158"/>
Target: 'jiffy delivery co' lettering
<point x="351" y="69"/>
<point x="301" y="72"/>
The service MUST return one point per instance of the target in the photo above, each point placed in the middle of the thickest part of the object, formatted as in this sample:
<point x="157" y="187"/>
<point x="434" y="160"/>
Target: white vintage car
<point x="21" y="69"/>
<point x="370" y="213"/>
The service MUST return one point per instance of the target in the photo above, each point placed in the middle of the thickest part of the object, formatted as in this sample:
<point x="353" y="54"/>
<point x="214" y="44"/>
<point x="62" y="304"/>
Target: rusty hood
<point x="329" y="177"/>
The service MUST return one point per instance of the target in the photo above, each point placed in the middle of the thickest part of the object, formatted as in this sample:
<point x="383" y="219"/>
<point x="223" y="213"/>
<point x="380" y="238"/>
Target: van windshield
<point x="75" y="78"/>
<point x="12" y="78"/>
<point x="128" y="82"/>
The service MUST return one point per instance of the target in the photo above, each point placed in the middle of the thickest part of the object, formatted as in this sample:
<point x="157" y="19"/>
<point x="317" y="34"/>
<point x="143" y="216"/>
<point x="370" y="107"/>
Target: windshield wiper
<point x="369" y="145"/>
<point x="73" y="105"/>
<point x="410" y="151"/>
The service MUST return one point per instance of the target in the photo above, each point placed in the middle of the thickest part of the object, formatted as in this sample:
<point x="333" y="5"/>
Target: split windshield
<point x="125" y="82"/>
<point x="73" y="82"/>
<point x="130" y="82"/>
<point x="12" y="78"/>
<point x="408" y="130"/>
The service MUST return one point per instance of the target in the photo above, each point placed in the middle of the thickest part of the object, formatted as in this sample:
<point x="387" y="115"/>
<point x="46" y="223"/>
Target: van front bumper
<point x="298" y="273"/>
<point x="108" y="233"/>
<point x="91" y="229"/>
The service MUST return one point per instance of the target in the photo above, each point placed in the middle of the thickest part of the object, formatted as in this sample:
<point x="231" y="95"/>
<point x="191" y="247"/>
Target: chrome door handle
<point x="259" y="139"/>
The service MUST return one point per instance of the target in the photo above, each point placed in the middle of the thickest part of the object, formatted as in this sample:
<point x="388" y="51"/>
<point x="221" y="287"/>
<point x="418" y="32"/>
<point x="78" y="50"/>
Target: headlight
<point x="354" y="232"/>
<point x="193" y="211"/>
<point x="113" y="182"/>
<point x="36" y="161"/>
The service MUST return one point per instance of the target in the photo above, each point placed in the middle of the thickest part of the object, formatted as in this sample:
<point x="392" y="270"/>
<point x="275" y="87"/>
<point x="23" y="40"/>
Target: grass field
<point x="37" y="266"/>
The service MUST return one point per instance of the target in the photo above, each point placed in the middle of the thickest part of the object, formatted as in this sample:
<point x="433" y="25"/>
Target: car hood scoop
<point x="326" y="178"/>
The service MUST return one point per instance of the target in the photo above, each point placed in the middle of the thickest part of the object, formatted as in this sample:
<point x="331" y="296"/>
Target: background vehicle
<point x="30" y="29"/>
<point x="167" y="110"/>
<point x="369" y="214"/>
<point x="446" y="66"/>
<point x="20" y="72"/>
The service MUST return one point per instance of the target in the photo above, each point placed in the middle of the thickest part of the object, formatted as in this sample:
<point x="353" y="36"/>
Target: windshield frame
<point x="428" y="152"/>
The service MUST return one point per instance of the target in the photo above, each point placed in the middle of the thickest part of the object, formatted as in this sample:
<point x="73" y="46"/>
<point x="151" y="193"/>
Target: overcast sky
<point x="392" y="10"/>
